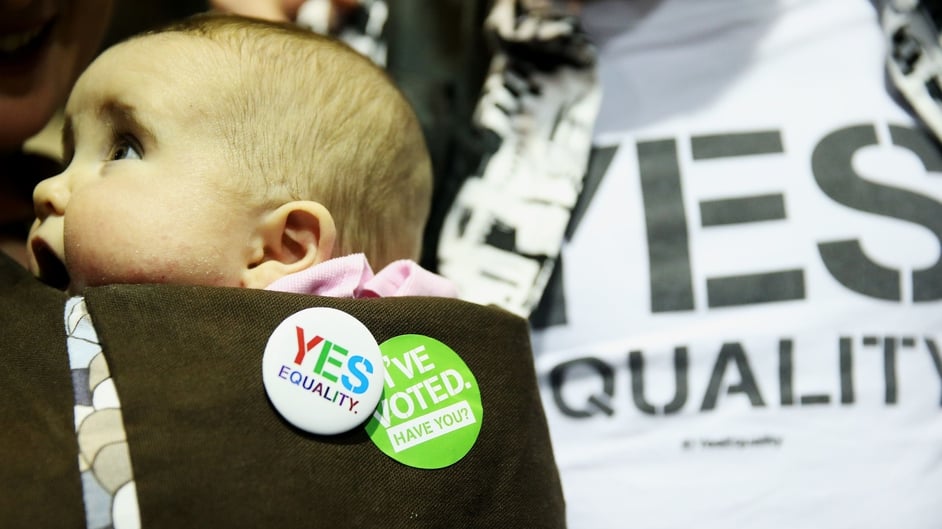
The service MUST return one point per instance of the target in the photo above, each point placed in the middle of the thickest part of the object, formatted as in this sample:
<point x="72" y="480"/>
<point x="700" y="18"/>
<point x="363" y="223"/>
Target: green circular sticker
<point x="430" y="413"/>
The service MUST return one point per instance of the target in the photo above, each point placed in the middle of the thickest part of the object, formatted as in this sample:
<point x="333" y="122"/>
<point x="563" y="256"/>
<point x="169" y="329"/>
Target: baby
<point x="233" y="152"/>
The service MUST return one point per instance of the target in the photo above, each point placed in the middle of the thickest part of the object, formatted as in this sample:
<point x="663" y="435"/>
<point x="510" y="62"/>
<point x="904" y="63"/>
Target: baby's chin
<point x="74" y="288"/>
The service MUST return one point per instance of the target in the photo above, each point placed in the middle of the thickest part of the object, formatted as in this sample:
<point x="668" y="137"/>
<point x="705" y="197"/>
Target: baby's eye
<point x="125" y="149"/>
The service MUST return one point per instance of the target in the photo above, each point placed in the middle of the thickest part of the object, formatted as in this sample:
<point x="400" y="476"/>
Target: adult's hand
<point x="277" y="10"/>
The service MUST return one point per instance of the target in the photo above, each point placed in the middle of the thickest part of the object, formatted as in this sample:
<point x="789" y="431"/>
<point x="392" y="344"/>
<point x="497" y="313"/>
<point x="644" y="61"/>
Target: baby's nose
<point x="50" y="197"/>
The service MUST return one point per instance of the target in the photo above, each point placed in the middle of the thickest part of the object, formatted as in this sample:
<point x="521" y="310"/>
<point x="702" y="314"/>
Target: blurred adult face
<point x="44" y="44"/>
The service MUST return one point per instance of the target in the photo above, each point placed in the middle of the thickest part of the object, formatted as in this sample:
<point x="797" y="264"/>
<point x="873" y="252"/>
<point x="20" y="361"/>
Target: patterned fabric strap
<point x="104" y="459"/>
<point x="501" y="238"/>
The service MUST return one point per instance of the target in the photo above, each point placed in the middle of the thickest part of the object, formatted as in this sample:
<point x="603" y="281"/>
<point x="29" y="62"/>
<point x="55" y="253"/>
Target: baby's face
<point x="144" y="197"/>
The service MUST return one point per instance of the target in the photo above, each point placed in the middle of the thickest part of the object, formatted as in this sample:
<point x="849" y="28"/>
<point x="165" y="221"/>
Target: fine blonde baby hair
<point x="308" y="118"/>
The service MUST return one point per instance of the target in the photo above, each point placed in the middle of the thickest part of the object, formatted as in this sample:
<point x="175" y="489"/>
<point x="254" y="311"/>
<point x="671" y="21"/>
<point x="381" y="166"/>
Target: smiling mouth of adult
<point x="52" y="270"/>
<point x="23" y="45"/>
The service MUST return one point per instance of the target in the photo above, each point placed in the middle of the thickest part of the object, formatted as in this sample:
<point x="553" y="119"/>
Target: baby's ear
<point x="292" y="238"/>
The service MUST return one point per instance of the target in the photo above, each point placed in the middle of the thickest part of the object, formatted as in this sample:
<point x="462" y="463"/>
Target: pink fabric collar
<point x="351" y="277"/>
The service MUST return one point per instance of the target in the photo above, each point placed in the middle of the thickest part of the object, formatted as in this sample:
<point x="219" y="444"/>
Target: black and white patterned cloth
<point x="502" y="236"/>
<point x="914" y="58"/>
<point x="362" y="28"/>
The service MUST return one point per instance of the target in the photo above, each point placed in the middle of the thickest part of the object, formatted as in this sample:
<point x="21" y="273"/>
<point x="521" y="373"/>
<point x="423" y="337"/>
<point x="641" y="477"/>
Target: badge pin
<point x="323" y="371"/>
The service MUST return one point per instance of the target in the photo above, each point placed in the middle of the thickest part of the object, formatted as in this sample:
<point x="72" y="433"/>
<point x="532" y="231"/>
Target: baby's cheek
<point x="124" y="259"/>
<point x="94" y="266"/>
<point x="145" y="242"/>
<point x="98" y="251"/>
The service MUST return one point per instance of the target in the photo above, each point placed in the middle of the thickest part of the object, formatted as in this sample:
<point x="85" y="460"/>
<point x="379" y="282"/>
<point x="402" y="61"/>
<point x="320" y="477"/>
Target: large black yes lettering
<point x="845" y="259"/>
<point x="666" y="224"/>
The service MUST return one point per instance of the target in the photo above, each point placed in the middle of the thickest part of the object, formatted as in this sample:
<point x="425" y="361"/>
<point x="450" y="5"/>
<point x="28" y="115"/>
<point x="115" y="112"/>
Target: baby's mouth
<point x="51" y="269"/>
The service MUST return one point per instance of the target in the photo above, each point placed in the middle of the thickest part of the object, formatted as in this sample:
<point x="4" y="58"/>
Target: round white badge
<point x="323" y="371"/>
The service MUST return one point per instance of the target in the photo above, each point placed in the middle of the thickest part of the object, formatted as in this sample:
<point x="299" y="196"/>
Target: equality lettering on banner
<point x="732" y="376"/>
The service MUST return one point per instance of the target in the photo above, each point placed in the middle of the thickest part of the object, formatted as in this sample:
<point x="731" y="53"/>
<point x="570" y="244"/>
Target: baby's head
<point x="230" y="152"/>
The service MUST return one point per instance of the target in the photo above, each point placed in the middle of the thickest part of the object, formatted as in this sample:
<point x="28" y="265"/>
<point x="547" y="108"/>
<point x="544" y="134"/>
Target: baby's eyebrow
<point x="124" y="115"/>
<point x="117" y="108"/>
